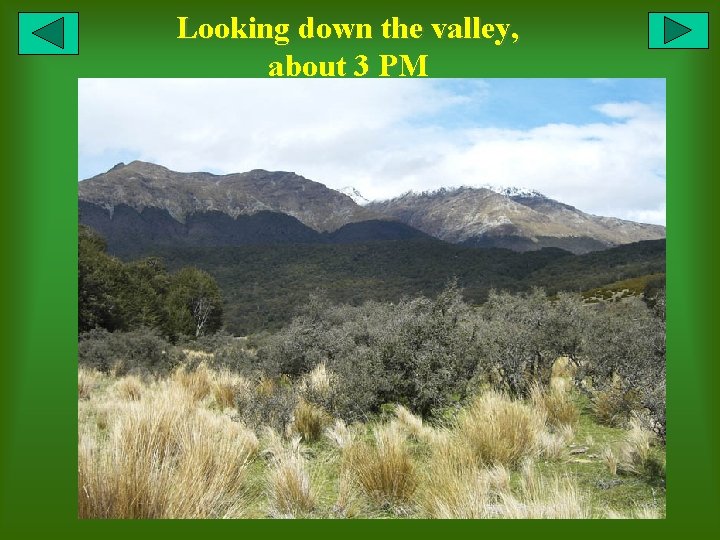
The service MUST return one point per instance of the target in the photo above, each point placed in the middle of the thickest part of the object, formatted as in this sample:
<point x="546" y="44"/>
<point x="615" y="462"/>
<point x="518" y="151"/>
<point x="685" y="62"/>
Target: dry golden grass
<point x="317" y="383"/>
<point x="634" y="455"/>
<point x="164" y="458"/>
<point x="610" y="459"/>
<point x="172" y="449"/>
<point x="644" y="511"/>
<point x="129" y="388"/>
<point x="340" y="434"/>
<point x="309" y="421"/>
<point x="198" y="382"/>
<point x="556" y="403"/>
<point x="453" y="486"/>
<point x="563" y="368"/>
<point x="384" y="468"/>
<point x="348" y="503"/>
<point x="554" y="497"/>
<point x="411" y="423"/>
<point x="87" y="381"/>
<point x="552" y="446"/>
<point x="290" y="488"/>
<point x="449" y="494"/>
<point x="226" y="386"/>
<point x="500" y="431"/>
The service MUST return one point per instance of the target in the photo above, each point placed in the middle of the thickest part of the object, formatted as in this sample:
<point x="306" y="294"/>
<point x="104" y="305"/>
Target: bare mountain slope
<point x="141" y="185"/>
<point x="483" y="217"/>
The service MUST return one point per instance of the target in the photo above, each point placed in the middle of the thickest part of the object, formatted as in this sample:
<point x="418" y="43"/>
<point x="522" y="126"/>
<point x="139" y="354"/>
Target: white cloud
<point x="383" y="137"/>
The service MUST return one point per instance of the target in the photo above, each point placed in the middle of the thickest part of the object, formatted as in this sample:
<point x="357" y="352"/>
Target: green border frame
<point x="136" y="39"/>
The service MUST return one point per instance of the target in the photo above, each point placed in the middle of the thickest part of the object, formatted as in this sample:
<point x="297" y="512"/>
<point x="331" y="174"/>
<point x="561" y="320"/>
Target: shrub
<point x="270" y="403"/>
<point x="614" y="404"/>
<point x="140" y="351"/>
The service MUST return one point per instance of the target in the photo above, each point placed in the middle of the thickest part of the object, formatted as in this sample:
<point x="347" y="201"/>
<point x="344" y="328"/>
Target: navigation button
<point x="689" y="30"/>
<point x="48" y="33"/>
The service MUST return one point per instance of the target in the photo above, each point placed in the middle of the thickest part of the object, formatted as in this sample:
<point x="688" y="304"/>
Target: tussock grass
<point x="554" y="497"/>
<point x="87" y="381"/>
<point x="454" y="486"/>
<point x="349" y="503"/>
<point x="198" y="382"/>
<point x="556" y="403"/>
<point x="499" y="430"/>
<point x="411" y="423"/>
<point x="563" y="368"/>
<point x="309" y="420"/>
<point x="129" y="388"/>
<point x="635" y="453"/>
<point x="164" y="458"/>
<point x="552" y="446"/>
<point x="318" y="383"/>
<point x="226" y="386"/>
<point x="610" y="459"/>
<point x="290" y="490"/>
<point x="644" y="511"/>
<point x="384" y="467"/>
<point x="340" y="434"/>
<point x="174" y="448"/>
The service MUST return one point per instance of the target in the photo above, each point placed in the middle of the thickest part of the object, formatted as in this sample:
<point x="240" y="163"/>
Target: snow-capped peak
<point x="511" y="191"/>
<point x="354" y="194"/>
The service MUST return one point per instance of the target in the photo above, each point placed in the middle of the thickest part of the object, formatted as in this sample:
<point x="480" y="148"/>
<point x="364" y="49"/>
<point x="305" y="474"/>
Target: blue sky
<point x="528" y="103"/>
<point x="598" y="144"/>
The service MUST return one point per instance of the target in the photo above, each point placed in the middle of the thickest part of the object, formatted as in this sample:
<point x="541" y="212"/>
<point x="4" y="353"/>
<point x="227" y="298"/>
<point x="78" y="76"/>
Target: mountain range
<point x="141" y="204"/>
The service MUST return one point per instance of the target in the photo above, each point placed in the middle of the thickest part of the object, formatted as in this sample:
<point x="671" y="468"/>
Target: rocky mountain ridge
<point x="235" y="209"/>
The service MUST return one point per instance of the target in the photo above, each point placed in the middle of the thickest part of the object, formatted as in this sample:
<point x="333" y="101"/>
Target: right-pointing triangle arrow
<point x="674" y="30"/>
<point x="53" y="32"/>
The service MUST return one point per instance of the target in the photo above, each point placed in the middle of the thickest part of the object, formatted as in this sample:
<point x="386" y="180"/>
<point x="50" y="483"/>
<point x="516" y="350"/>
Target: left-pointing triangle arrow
<point x="53" y="32"/>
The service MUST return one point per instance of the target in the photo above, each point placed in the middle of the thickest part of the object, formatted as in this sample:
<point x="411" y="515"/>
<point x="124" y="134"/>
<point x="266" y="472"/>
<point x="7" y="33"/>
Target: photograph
<point x="380" y="298"/>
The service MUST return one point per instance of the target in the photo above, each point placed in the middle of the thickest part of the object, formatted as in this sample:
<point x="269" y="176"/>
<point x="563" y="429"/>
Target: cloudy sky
<point x="598" y="144"/>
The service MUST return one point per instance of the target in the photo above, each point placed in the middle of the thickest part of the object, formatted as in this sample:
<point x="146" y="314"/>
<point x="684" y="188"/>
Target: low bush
<point x="139" y="351"/>
<point x="271" y="402"/>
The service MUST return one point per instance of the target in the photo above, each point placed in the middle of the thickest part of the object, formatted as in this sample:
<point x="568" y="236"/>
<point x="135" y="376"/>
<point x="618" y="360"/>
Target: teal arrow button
<point x="678" y="30"/>
<point x="48" y="33"/>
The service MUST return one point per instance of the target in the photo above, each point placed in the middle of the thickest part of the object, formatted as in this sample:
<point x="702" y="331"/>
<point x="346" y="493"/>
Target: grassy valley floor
<point x="181" y="446"/>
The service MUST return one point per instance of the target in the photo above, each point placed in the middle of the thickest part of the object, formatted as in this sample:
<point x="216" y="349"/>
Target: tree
<point x="193" y="305"/>
<point x="99" y="275"/>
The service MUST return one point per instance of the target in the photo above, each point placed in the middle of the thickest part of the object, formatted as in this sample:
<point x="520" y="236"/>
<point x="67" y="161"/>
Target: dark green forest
<point x="263" y="286"/>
